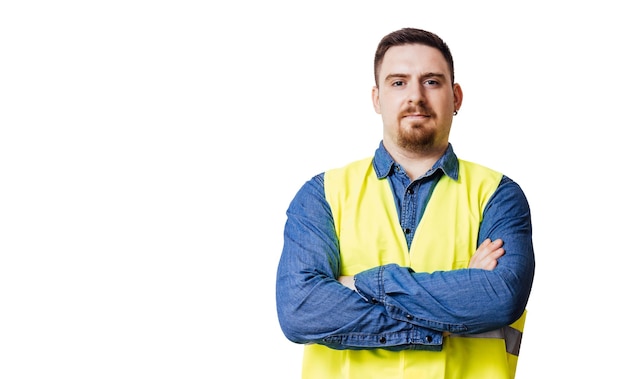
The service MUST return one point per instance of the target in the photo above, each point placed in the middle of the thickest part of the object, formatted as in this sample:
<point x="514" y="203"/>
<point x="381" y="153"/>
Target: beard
<point x="416" y="137"/>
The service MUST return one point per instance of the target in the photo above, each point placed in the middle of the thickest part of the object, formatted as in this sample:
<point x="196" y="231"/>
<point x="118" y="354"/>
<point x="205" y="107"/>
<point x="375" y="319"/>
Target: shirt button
<point x="429" y="339"/>
<point x="410" y="191"/>
<point x="382" y="340"/>
<point x="409" y="317"/>
<point x="374" y="301"/>
<point x="407" y="231"/>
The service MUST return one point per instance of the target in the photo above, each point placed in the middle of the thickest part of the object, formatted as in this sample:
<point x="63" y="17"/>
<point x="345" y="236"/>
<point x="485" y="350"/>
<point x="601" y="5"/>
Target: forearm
<point x="314" y="307"/>
<point x="321" y="310"/>
<point x="459" y="301"/>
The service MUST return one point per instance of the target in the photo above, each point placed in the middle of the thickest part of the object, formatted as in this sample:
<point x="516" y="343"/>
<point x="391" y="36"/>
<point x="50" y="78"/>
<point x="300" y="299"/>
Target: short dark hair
<point x="408" y="36"/>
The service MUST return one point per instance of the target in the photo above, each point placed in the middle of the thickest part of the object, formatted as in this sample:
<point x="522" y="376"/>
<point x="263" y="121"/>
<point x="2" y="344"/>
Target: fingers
<point x="487" y="254"/>
<point x="347" y="281"/>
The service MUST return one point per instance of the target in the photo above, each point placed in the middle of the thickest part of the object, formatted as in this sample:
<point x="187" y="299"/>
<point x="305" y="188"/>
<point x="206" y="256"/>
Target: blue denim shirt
<point x="395" y="308"/>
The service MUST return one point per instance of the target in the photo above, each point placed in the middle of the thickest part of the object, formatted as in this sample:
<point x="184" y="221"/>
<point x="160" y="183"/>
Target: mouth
<point x="416" y="115"/>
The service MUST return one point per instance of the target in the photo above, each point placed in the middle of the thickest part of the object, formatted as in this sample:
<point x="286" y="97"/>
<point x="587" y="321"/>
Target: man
<point x="411" y="263"/>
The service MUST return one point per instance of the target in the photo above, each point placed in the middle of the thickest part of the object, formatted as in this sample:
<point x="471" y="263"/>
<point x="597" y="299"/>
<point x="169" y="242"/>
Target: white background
<point x="149" y="150"/>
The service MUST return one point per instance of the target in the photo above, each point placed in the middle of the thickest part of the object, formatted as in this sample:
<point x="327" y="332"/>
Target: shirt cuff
<point x="369" y="284"/>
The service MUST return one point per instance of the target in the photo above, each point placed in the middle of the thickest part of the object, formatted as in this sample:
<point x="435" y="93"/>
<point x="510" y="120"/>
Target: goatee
<point x="417" y="138"/>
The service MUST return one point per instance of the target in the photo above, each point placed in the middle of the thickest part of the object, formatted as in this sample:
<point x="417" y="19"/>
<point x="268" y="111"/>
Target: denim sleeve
<point x="465" y="300"/>
<point x="313" y="307"/>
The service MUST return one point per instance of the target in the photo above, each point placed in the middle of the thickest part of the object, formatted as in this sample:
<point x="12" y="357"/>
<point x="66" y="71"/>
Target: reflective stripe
<point x="511" y="336"/>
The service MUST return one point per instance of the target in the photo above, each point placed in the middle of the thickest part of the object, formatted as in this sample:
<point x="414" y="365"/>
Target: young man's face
<point x="416" y="98"/>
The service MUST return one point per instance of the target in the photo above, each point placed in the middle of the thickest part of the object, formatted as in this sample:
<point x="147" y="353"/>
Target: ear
<point x="458" y="96"/>
<point x="376" y="99"/>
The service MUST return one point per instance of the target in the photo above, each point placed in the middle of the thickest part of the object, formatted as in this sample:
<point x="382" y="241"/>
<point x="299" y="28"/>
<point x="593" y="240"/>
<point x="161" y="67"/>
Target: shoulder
<point x="474" y="168"/>
<point x="357" y="165"/>
<point x="509" y="197"/>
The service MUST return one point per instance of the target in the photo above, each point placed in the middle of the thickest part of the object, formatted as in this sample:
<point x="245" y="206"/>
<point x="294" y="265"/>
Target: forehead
<point x="413" y="59"/>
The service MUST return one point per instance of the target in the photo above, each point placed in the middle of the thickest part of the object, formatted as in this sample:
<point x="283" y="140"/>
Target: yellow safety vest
<point x="370" y="235"/>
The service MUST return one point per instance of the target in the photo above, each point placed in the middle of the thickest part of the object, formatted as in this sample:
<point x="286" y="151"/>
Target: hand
<point x="347" y="281"/>
<point x="487" y="254"/>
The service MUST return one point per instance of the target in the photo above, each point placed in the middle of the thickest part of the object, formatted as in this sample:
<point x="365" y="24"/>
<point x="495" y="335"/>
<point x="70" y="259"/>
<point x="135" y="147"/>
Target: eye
<point x="397" y="83"/>
<point x="431" y="82"/>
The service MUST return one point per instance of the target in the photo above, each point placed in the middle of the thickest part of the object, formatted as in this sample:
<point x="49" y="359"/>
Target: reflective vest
<point x="370" y="235"/>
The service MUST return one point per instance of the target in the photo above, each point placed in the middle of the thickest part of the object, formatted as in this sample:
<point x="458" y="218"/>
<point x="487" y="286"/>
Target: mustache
<point x="417" y="109"/>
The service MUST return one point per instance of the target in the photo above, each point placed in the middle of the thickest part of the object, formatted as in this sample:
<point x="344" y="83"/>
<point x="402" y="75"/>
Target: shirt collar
<point x="448" y="163"/>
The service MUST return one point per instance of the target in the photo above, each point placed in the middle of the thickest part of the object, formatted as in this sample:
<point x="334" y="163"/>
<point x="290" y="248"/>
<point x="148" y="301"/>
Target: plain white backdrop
<point x="149" y="150"/>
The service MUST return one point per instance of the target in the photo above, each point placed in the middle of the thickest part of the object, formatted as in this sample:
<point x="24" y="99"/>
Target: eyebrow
<point x="422" y="76"/>
<point x="395" y="76"/>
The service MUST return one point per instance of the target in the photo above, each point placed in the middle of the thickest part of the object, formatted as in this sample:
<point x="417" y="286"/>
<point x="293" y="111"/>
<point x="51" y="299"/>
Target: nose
<point x="415" y="93"/>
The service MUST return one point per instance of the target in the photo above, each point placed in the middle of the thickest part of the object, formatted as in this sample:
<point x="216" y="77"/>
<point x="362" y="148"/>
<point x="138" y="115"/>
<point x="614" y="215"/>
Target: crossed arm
<point x="485" y="257"/>
<point x="317" y="305"/>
